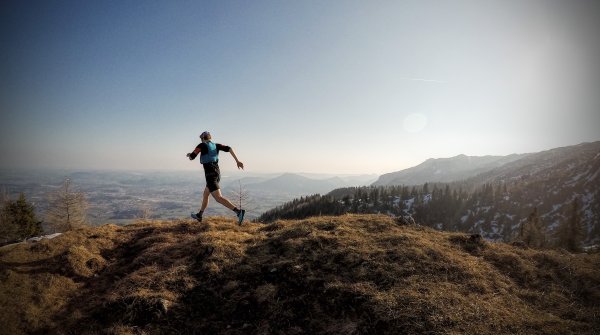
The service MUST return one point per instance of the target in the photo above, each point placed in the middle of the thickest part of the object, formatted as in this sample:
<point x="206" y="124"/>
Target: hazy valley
<point x="122" y="196"/>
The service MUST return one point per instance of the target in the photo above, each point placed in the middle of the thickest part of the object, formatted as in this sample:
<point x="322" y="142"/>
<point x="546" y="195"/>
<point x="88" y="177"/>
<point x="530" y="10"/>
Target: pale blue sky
<point x="294" y="86"/>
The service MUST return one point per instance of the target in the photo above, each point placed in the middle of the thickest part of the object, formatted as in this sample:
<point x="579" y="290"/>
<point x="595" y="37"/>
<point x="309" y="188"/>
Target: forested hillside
<point x="496" y="204"/>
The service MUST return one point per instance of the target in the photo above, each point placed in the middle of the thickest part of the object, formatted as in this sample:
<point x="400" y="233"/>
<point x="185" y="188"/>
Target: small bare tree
<point x="67" y="208"/>
<point x="144" y="213"/>
<point x="241" y="198"/>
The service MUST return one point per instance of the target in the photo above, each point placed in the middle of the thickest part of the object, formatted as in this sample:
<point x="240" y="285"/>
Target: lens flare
<point x="414" y="123"/>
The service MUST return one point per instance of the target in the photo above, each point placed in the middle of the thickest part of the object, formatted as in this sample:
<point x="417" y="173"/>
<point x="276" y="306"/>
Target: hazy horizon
<point x="229" y="171"/>
<point x="302" y="87"/>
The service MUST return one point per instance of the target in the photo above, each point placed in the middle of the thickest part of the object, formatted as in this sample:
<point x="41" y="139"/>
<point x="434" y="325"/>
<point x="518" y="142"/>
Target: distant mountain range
<point x="296" y="184"/>
<point x="489" y="195"/>
<point x="446" y="169"/>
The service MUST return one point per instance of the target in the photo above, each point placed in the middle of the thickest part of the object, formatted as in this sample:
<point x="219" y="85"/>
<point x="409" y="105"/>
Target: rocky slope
<point x="549" y="180"/>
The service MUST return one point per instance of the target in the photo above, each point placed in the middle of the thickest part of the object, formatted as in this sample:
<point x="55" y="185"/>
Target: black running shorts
<point x="213" y="176"/>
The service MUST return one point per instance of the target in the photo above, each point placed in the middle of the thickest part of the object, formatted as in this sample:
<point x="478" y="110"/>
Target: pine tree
<point x="25" y="217"/>
<point x="7" y="230"/>
<point x="532" y="231"/>
<point x="67" y="209"/>
<point x="374" y="198"/>
<point x="570" y="232"/>
<point x="405" y="194"/>
<point x="346" y="201"/>
<point x="18" y="220"/>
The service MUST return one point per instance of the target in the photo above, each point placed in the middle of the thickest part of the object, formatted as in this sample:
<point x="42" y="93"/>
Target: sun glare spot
<point x="414" y="123"/>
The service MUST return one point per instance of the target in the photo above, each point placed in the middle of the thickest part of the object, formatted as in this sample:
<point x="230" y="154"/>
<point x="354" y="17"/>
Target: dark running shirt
<point x="211" y="170"/>
<point x="202" y="149"/>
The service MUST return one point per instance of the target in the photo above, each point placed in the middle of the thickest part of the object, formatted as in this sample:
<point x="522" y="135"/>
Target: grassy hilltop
<point x="352" y="274"/>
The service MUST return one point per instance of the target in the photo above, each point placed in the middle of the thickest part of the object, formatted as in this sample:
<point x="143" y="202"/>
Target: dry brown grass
<point x="353" y="274"/>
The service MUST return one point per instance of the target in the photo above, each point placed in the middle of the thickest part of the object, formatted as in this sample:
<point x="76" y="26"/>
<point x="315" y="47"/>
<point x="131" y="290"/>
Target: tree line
<point x="490" y="207"/>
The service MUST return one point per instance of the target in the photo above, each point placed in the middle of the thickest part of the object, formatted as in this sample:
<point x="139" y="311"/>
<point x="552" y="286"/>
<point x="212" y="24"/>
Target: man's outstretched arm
<point x="239" y="164"/>
<point x="194" y="153"/>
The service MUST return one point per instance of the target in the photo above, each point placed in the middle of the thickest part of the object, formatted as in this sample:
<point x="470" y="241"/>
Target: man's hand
<point x="240" y="165"/>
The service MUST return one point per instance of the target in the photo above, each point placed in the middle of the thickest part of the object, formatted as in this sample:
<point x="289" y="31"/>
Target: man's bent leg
<point x="222" y="200"/>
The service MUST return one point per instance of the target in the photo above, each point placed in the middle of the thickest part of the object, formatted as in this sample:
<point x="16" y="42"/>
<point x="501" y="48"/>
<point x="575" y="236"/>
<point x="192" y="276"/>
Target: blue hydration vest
<point x="212" y="155"/>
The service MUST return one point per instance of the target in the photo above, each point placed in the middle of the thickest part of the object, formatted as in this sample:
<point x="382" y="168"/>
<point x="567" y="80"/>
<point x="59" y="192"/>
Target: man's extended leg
<point x="205" y="196"/>
<point x="223" y="201"/>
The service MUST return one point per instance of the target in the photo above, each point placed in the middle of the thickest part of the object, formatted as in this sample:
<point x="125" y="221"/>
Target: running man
<point x="209" y="158"/>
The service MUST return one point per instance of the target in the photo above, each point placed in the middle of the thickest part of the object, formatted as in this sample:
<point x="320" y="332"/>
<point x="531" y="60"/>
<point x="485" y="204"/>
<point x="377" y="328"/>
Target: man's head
<point x="205" y="136"/>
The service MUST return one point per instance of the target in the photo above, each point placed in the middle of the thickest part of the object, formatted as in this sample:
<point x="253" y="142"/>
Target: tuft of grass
<point x="351" y="274"/>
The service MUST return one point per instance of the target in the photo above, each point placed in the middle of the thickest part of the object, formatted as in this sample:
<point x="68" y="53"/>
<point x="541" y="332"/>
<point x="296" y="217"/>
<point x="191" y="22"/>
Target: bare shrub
<point x="67" y="209"/>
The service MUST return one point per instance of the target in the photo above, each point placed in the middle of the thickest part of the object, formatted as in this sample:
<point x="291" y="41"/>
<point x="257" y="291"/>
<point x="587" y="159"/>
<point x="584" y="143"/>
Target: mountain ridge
<point x="297" y="184"/>
<point x="445" y="169"/>
<point x="494" y="204"/>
